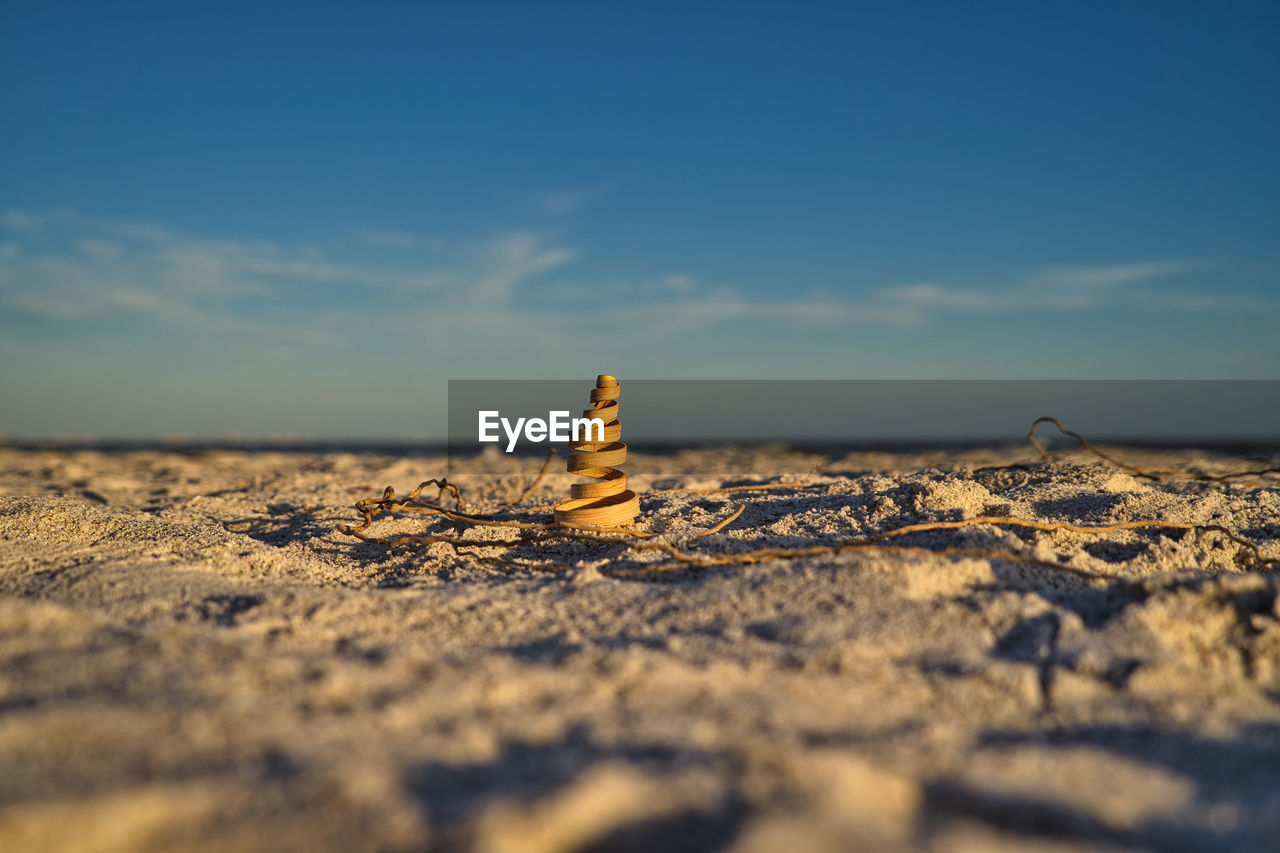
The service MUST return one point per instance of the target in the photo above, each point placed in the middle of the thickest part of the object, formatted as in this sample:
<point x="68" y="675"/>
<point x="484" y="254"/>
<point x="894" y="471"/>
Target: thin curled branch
<point x="684" y="560"/>
<point x="722" y="525"/>
<point x="1156" y="474"/>
<point x="1063" y="525"/>
<point x="801" y="483"/>
<point x="874" y="544"/>
<point x="687" y="561"/>
<point x="542" y="472"/>
<point x="754" y="487"/>
<point x="443" y="484"/>
<point x="391" y="506"/>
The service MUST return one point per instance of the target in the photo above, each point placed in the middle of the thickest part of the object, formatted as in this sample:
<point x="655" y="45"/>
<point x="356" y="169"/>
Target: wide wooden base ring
<point x="613" y="511"/>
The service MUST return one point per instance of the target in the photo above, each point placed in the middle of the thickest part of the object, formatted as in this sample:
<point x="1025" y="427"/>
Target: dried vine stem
<point x="442" y="484"/>
<point x="1156" y="474"/>
<point x="873" y="544"/>
<point x="802" y="483"/>
<point x="542" y="472"/>
<point x="1063" y="525"/>
<point x="387" y="503"/>
<point x="722" y="525"/>
<point x="685" y="560"/>
<point x="754" y="487"/>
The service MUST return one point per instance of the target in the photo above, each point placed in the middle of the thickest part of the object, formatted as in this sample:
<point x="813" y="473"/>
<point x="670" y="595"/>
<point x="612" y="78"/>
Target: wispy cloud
<point x="566" y="200"/>
<point x="509" y="260"/>
<point x="1049" y="289"/>
<point x="387" y="239"/>
<point x="20" y="220"/>
<point x="152" y="313"/>
<point x="93" y="255"/>
<point x="1110" y="275"/>
<point x="928" y="297"/>
<point x="85" y="272"/>
<point x="516" y="285"/>
<point x="682" y="299"/>
<point x="143" y="232"/>
<point x="101" y="251"/>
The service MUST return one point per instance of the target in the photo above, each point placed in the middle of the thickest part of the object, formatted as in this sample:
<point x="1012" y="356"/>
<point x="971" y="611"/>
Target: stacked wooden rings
<point x="607" y="502"/>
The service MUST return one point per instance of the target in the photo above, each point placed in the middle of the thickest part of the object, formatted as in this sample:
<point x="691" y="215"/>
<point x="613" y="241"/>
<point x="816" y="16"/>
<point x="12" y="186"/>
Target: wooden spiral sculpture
<point x="607" y="502"/>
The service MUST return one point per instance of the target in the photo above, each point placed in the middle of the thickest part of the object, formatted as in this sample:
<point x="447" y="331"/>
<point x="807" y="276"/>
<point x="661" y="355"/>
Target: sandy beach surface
<point x="191" y="658"/>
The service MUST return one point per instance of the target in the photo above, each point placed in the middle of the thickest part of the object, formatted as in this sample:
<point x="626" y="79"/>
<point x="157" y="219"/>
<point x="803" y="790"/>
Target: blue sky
<point x="303" y="219"/>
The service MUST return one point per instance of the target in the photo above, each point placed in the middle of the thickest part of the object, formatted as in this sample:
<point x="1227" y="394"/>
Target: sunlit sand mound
<point x="931" y="651"/>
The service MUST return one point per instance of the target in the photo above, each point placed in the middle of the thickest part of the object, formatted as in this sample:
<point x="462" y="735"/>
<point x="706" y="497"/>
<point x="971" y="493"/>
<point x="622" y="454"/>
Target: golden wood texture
<point x="607" y="502"/>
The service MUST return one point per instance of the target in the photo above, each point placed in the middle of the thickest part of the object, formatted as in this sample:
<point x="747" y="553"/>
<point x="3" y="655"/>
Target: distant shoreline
<point x="406" y="447"/>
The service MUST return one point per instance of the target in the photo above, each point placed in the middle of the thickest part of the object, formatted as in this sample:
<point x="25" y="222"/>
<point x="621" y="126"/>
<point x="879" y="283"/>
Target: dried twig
<point x="754" y="487"/>
<point x="722" y="525"/>
<point x="1063" y="525"/>
<point x="687" y="561"/>
<point x="1156" y="474"/>
<point x="542" y="472"/>
<point x="390" y="506"/>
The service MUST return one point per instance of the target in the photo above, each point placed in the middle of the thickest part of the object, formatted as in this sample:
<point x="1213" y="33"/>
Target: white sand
<point x="191" y="659"/>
